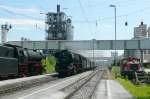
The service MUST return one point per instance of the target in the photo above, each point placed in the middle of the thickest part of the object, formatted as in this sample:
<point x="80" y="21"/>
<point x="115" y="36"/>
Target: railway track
<point x="80" y="86"/>
<point x="48" y="90"/>
<point x="84" y="88"/>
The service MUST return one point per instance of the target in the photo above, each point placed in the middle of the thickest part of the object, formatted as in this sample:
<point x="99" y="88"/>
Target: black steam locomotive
<point x="69" y="63"/>
<point x="16" y="61"/>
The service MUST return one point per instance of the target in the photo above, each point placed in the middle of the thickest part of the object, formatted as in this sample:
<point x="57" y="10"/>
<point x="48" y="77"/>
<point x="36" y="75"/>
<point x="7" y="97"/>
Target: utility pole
<point x="142" y="56"/>
<point x="114" y="6"/>
<point x="4" y="30"/>
<point x="93" y="53"/>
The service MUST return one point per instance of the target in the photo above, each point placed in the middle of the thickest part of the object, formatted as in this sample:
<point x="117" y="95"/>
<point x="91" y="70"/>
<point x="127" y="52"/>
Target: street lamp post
<point x="114" y="6"/>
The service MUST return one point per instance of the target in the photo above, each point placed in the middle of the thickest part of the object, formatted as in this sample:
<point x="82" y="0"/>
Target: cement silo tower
<point x="58" y="26"/>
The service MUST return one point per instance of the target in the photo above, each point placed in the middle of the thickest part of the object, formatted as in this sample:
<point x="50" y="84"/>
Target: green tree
<point x="49" y="64"/>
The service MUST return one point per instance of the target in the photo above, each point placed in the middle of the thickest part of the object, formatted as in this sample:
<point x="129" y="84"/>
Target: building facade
<point x="140" y="32"/>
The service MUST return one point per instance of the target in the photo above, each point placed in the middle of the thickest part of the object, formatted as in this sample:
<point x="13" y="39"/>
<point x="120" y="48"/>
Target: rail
<point x="76" y="86"/>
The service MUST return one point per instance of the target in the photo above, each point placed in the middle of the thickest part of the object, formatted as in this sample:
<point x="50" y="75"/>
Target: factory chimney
<point x="58" y="8"/>
<point x="142" y="23"/>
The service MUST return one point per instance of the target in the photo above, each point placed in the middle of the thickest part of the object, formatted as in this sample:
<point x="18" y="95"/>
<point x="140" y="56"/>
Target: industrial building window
<point x="55" y="35"/>
<point x="50" y="25"/>
<point x="50" y="19"/>
<point x="55" y="17"/>
<point x="60" y="17"/>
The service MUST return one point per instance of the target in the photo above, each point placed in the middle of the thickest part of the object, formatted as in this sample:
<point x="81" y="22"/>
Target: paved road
<point x="46" y="91"/>
<point x="111" y="89"/>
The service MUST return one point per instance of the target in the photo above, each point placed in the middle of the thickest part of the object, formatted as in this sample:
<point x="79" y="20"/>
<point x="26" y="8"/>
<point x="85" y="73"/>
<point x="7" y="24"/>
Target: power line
<point x="15" y="13"/>
<point x="119" y="16"/>
<point x="127" y="14"/>
<point x="85" y="16"/>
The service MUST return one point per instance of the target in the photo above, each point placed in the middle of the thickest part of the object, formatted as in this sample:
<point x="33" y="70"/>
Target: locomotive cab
<point x="8" y="63"/>
<point x="22" y="60"/>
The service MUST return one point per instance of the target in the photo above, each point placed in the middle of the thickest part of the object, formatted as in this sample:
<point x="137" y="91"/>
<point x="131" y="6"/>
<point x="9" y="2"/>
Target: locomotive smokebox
<point x="58" y="8"/>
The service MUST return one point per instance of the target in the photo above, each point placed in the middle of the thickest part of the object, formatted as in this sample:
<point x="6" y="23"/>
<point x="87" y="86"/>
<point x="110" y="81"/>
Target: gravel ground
<point x="87" y="90"/>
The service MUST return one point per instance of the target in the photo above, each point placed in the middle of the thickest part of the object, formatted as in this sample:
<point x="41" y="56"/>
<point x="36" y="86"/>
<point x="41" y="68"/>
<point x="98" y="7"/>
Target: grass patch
<point x="115" y="72"/>
<point x="138" y="91"/>
<point x="141" y="91"/>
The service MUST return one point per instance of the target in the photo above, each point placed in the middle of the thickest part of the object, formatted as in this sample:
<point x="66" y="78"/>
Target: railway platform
<point x="111" y="89"/>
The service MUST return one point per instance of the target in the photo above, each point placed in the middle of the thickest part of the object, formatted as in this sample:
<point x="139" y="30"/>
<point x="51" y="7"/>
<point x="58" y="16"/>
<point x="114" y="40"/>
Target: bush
<point x="49" y="64"/>
<point x="115" y="71"/>
<point x="148" y="66"/>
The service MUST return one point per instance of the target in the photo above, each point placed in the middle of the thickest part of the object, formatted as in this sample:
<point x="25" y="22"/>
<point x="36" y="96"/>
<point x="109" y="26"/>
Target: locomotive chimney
<point x="58" y="8"/>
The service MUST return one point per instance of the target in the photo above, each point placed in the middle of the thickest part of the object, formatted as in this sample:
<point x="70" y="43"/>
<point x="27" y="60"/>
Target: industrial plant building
<point x="140" y="32"/>
<point x="58" y="26"/>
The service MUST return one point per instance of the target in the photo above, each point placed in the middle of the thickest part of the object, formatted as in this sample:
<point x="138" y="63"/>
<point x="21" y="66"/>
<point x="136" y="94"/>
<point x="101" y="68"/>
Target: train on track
<point x="16" y="61"/>
<point x="135" y="70"/>
<point x="70" y="63"/>
<point x="129" y="66"/>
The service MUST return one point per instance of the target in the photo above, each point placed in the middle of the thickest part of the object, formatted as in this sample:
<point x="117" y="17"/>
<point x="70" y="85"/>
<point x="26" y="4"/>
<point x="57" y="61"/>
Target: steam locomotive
<point x="69" y="63"/>
<point x="16" y="61"/>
